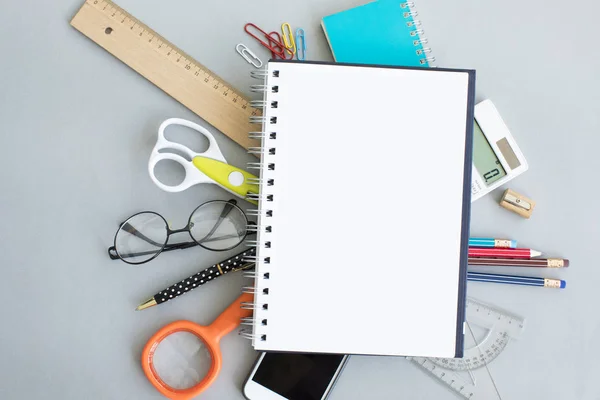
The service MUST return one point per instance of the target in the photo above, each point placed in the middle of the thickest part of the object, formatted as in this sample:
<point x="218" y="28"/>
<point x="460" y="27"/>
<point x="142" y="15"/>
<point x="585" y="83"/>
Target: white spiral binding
<point x="417" y="32"/>
<point x="266" y="166"/>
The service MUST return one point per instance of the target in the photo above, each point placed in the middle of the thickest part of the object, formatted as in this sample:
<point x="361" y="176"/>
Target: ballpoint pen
<point x="235" y="263"/>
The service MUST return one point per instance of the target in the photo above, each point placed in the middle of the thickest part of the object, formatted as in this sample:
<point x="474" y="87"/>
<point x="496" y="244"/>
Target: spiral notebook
<point x="384" y="32"/>
<point x="359" y="165"/>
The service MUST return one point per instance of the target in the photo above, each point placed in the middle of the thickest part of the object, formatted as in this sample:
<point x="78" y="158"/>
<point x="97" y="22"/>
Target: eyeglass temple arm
<point x="127" y="227"/>
<point x="112" y="252"/>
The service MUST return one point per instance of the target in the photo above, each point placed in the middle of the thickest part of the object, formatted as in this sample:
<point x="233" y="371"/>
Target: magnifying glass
<point x="183" y="358"/>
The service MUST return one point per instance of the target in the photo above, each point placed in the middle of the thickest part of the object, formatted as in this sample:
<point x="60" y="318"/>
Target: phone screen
<point x="297" y="376"/>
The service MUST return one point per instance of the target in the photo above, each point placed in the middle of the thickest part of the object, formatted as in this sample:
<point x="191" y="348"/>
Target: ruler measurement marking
<point x="226" y="108"/>
<point x="176" y="51"/>
<point x="498" y="322"/>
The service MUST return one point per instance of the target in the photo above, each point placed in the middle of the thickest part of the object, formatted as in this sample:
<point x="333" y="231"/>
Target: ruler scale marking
<point x="168" y="67"/>
<point x="502" y="327"/>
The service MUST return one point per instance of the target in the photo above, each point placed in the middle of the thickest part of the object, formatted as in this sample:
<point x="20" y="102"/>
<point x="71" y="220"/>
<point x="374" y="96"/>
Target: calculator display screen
<point x="485" y="159"/>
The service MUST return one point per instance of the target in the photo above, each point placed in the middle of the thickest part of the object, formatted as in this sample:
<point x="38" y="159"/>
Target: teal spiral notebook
<point x="384" y="32"/>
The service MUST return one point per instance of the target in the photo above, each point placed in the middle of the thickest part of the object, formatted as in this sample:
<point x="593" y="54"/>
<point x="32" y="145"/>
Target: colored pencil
<point x="504" y="253"/>
<point x="516" y="280"/>
<point x="491" y="242"/>
<point x="506" y="262"/>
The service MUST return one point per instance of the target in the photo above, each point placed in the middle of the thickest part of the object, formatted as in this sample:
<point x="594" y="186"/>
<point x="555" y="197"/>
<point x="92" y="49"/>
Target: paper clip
<point x="248" y="55"/>
<point x="279" y="53"/>
<point x="284" y="50"/>
<point x="276" y="39"/>
<point x="288" y="37"/>
<point x="300" y="49"/>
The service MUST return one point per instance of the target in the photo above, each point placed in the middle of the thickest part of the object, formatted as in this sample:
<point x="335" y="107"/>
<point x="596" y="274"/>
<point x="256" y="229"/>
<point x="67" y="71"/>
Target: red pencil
<point x="503" y="253"/>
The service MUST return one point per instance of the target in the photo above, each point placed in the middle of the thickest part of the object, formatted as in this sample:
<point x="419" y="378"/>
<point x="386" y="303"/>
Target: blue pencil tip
<point x="513" y="244"/>
<point x="563" y="284"/>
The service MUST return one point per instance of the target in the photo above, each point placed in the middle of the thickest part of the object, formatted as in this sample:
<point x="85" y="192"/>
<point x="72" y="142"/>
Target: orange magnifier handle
<point x="211" y="336"/>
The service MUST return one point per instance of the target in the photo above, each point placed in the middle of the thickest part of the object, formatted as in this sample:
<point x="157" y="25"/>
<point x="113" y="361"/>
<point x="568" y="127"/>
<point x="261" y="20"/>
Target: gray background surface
<point x="77" y="127"/>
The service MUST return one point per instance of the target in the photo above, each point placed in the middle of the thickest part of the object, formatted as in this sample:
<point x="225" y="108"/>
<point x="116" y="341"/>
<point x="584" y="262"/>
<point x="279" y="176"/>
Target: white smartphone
<point x="293" y="376"/>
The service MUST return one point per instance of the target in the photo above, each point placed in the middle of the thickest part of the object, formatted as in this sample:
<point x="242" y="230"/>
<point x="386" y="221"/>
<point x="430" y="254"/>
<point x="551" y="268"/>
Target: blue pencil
<point x="491" y="242"/>
<point x="516" y="280"/>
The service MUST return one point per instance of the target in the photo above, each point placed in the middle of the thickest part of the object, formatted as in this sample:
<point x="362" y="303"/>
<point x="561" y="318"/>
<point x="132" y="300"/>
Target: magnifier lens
<point x="182" y="360"/>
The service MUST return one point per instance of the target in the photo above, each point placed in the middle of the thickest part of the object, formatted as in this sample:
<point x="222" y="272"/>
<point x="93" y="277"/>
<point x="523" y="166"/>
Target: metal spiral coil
<point x="258" y="119"/>
<point x="259" y="181"/>
<point x="248" y="334"/>
<point x="254" y="165"/>
<point x="256" y="275"/>
<point x="254" y="290"/>
<point x="264" y="88"/>
<point x="250" y="321"/>
<point x="260" y="74"/>
<point x="258" y="103"/>
<point x="264" y="181"/>
<point x="250" y="274"/>
<point x="254" y="181"/>
<point x="258" y="88"/>
<point x="253" y="196"/>
<point x="249" y="290"/>
<point x="256" y="135"/>
<point x="248" y="305"/>
<point x="255" y="259"/>
<point x="263" y="104"/>
<point x="261" y="119"/>
<point x="417" y="32"/>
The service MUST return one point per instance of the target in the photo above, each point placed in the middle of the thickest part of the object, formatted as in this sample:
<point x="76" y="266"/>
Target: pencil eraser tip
<point x="563" y="284"/>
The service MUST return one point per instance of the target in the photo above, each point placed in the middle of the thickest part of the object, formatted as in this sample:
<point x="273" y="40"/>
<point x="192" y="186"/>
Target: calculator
<point x="497" y="158"/>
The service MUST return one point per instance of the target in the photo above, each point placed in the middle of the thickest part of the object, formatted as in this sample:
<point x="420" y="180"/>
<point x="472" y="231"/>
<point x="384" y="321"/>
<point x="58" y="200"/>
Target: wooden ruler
<point x="169" y="68"/>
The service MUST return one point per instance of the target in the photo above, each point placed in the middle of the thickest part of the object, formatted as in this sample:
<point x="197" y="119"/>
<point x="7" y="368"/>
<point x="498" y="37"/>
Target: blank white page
<point x="370" y="209"/>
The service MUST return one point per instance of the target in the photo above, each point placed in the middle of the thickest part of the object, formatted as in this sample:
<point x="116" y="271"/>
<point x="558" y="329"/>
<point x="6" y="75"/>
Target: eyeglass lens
<point x="218" y="225"/>
<point x="141" y="237"/>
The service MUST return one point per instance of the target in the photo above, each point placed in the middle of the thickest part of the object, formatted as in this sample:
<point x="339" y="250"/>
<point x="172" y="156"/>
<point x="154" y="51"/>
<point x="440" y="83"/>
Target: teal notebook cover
<point x="382" y="32"/>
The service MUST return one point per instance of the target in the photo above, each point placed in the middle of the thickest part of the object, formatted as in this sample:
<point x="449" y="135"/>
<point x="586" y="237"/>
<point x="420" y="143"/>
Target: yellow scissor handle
<point x="231" y="178"/>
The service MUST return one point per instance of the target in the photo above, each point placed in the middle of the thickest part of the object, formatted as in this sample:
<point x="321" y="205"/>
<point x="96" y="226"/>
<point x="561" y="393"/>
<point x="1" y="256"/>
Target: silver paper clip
<point x="248" y="55"/>
<point x="300" y="44"/>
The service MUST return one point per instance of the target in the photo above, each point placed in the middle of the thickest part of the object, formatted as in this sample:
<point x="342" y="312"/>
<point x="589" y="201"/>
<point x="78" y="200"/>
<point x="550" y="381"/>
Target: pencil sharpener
<point x="517" y="203"/>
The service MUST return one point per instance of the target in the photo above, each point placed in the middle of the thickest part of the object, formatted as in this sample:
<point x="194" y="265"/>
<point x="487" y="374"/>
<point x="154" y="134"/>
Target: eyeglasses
<point x="215" y="225"/>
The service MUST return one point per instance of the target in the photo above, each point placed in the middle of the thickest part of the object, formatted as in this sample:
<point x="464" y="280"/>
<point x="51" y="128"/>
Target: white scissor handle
<point x="192" y="174"/>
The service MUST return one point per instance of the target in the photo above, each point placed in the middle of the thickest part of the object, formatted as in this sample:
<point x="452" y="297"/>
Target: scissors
<point x="207" y="167"/>
<point x="210" y="335"/>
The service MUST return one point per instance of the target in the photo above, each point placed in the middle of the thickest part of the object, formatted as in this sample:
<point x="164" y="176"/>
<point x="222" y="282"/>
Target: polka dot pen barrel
<point x="238" y="262"/>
